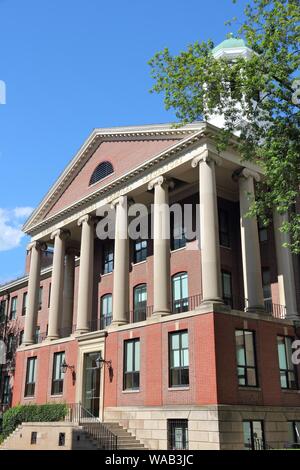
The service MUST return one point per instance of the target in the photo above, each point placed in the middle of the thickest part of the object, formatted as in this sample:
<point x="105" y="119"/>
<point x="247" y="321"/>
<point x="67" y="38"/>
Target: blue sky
<point x="70" y="66"/>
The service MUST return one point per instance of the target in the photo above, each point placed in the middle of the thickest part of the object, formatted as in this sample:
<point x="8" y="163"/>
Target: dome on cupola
<point x="231" y="48"/>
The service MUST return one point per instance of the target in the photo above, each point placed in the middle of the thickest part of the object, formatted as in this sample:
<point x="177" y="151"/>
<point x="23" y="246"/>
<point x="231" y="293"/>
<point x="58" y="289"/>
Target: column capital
<point x="246" y="173"/>
<point x="63" y="234"/>
<point x="41" y="246"/>
<point x="206" y="157"/>
<point x="87" y="218"/>
<point x="160" y="181"/>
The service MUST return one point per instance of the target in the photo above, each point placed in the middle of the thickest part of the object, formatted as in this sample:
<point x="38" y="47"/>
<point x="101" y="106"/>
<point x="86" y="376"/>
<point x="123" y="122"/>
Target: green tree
<point x="197" y="86"/>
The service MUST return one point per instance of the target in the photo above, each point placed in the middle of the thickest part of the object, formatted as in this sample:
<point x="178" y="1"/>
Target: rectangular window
<point x="13" y="308"/>
<point x="253" y="435"/>
<point x="21" y="337"/>
<point x="140" y="251"/>
<point x="266" y="282"/>
<point x="24" y="303"/>
<point x="2" y="311"/>
<point x="294" y="433"/>
<point x="6" y="392"/>
<point x="37" y="335"/>
<point x="108" y="259"/>
<point x="140" y="303"/>
<point x="30" y="377"/>
<point x="33" y="438"/>
<point x="246" y="358"/>
<point x="105" y="311"/>
<point x="224" y="232"/>
<point x="227" y="288"/>
<point x="288" y="376"/>
<point x="178" y="239"/>
<point x="40" y="301"/>
<point x="262" y="231"/>
<point x="57" y="374"/>
<point x="131" y="364"/>
<point x="178" y="434"/>
<point x="178" y="359"/>
<point x="10" y="345"/>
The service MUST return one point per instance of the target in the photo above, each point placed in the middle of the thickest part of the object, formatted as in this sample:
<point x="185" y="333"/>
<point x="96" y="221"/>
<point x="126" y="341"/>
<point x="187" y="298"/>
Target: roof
<point x="230" y="43"/>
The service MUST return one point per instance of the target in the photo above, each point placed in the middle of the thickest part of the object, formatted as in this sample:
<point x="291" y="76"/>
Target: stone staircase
<point x="126" y="440"/>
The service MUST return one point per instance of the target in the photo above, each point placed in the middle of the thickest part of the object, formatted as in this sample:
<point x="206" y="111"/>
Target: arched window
<point x="105" y="310"/>
<point x="101" y="171"/>
<point x="180" y="295"/>
<point x="140" y="303"/>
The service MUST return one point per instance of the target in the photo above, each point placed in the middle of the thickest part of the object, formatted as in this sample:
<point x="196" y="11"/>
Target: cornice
<point x="90" y="146"/>
<point x="106" y="190"/>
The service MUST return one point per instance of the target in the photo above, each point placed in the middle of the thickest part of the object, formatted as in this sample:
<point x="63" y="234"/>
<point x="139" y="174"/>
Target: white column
<point x="57" y="283"/>
<point x="68" y="294"/>
<point x="33" y="292"/>
<point x="121" y="264"/>
<point x="85" y="284"/>
<point x="161" y="247"/>
<point x="252" y="275"/>
<point x="209" y="228"/>
<point x="285" y="268"/>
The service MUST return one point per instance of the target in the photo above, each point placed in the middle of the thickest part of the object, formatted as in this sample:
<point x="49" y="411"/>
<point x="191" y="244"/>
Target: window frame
<point x="140" y="312"/>
<point x="287" y="371"/>
<point x="94" y="175"/>
<point x="105" y="320"/>
<point x="227" y="300"/>
<point x="134" y="373"/>
<point x="24" y="303"/>
<point x="171" y="434"/>
<point x="181" y="367"/>
<point x="29" y="390"/>
<point x="40" y="298"/>
<point x="140" y="254"/>
<point x="108" y="265"/>
<point x="246" y="366"/>
<point x="57" y="384"/>
<point x="251" y="422"/>
<point x="13" y="308"/>
<point x="6" y="390"/>
<point x="224" y="217"/>
<point x="183" y="301"/>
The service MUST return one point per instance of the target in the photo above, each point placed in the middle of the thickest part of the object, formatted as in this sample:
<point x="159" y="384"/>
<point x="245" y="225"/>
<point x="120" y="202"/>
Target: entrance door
<point x="91" y="384"/>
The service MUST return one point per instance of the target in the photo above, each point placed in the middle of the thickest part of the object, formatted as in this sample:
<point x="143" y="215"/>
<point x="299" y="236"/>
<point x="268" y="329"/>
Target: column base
<point x="81" y="331"/>
<point x="27" y="343"/>
<point x="116" y="323"/>
<point x="52" y="337"/>
<point x="161" y="313"/>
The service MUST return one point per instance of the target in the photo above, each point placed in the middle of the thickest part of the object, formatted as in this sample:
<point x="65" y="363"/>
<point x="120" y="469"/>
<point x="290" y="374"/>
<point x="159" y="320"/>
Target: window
<point x="11" y="342"/>
<point x="57" y="374"/>
<point x="40" y="301"/>
<point x="105" y="311"/>
<point x="33" y="437"/>
<point x="227" y="288"/>
<point x="253" y="435"/>
<point x="30" y="377"/>
<point x="37" y="335"/>
<point x="294" y="433"/>
<point x="288" y="377"/>
<point x="178" y="359"/>
<point x="6" y="391"/>
<point x="178" y="239"/>
<point x="140" y="303"/>
<point x="224" y="232"/>
<point x="24" y="303"/>
<point x="108" y="259"/>
<point x="262" y="231"/>
<point x="140" y="250"/>
<point x="2" y="311"/>
<point x="13" y="308"/>
<point x="102" y="170"/>
<point x="132" y="364"/>
<point x="180" y="293"/>
<point x="49" y="295"/>
<point x="266" y="282"/>
<point x="61" y="439"/>
<point x="21" y="337"/>
<point x="178" y="434"/>
<point x="246" y="360"/>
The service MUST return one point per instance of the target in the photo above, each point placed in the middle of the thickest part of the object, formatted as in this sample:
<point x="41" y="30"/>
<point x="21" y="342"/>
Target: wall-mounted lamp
<point x="100" y="362"/>
<point x="64" y="367"/>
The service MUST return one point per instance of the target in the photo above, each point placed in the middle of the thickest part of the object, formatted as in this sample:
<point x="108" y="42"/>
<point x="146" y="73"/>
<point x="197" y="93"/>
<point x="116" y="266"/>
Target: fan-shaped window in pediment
<point x="103" y="169"/>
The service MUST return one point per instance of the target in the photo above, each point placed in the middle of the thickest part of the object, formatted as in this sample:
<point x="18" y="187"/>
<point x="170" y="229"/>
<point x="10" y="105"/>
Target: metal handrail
<point x="105" y="438"/>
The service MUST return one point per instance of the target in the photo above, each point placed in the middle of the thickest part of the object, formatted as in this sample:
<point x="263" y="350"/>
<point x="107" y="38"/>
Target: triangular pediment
<point x="125" y="148"/>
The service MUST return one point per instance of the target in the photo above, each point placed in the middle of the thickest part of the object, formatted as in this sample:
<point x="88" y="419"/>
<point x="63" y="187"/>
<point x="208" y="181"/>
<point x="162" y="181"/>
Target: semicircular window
<point x="101" y="171"/>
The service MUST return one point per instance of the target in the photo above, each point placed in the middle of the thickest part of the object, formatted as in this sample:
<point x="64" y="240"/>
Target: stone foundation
<point x="214" y="427"/>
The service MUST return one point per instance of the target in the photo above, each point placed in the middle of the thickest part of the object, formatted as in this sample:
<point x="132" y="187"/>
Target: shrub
<point x="13" y="417"/>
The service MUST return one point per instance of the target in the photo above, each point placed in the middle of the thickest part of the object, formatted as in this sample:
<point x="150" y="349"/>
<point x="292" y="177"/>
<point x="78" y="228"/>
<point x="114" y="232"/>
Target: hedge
<point x="13" y="417"/>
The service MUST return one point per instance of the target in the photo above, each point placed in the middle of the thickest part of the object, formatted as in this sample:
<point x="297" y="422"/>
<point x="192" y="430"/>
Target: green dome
<point x="230" y="43"/>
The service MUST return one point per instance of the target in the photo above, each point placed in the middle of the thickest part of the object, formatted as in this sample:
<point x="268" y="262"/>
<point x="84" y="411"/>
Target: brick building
<point x="197" y="333"/>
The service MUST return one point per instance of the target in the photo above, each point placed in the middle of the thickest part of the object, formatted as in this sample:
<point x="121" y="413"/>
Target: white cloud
<point x="11" y="221"/>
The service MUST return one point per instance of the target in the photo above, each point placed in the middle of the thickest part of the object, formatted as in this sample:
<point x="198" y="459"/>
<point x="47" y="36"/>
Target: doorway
<point x="91" y="382"/>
